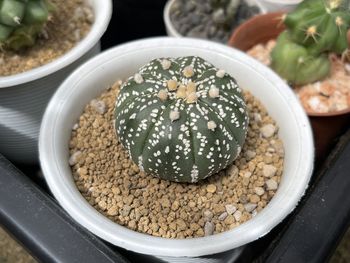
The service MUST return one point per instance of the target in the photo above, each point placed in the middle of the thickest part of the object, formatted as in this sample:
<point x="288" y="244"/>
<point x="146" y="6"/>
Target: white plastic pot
<point x="171" y="30"/>
<point x="280" y="5"/>
<point x="24" y="96"/>
<point x="89" y="80"/>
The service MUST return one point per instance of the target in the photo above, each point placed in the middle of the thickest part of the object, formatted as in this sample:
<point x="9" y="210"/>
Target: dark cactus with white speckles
<point x="21" y="21"/>
<point x="181" y="119"/>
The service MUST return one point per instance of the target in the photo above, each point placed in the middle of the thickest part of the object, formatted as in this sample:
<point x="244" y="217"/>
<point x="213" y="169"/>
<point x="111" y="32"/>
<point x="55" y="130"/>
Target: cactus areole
<point x="21" y="21"/>
<point x="181" y="119"/>
<point x="314" y="28"/>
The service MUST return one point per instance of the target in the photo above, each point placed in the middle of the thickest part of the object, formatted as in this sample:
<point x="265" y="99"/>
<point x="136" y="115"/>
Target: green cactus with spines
<point x="314" y="29"/>
<point x="181" y="119"/>
<point x="21" y="21"/>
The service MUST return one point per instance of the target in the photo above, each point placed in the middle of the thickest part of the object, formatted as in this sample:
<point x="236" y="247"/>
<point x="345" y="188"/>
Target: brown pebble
<point x="229" y="220"/>
<point x="211" y="188"/>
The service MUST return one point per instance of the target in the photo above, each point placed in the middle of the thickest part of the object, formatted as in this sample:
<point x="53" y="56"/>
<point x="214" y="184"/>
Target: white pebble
<point x="250" y="207"/>
<point x="269" y="170"/>
<point x="230" y="209"/>
<point x="347" y="67"/>
<point x="257" y="117"/>
<point x="237" y="215"/>
<point x="99" y="106"/>
<point x="271" y="184"/>
<point x="250" y="154"/>
<point x="223" y="216"/>
<point x="211" y="125"/>
<point x="74" y="159"/>
<point x="247" y="174"/>
<point x="174" y="115"/>
<point x="75" y="127"/>
<point x="259" y="191"/>
<point x="208" y="229"/>
<point x="220" y="73"/>
<point x="138" y="78"/>
<point x="268" y="130"/>
<point x="166" y="64"/>
<point x="254" y="213"/>
<point x="214" y="92"/>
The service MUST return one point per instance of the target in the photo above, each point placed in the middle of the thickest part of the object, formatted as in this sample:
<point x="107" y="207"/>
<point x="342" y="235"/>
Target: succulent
<point x="314" y="28"/>
<point x="224" y="12"/>
<point x="21" y="21"/>
<point x="181" y="119"/>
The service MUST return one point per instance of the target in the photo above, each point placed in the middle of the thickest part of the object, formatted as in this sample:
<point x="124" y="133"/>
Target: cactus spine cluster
<point x="181" y="119"/>
<point x="314" y="29"/>
<point x="21" y="21"/>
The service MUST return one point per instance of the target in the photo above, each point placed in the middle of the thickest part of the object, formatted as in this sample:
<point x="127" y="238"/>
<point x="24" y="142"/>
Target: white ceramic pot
<point x="171" y="30"/>
<point x="280" y="5"/>
<point x="89" y="80"/>
<point x="24" y="97"/>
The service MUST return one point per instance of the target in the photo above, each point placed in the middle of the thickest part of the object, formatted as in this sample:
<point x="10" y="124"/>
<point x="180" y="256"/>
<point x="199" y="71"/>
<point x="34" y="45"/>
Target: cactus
<point x="314" y="28"/>
<point x="181" y="119"/>
<point x="21" y="21"/>
<point x="224" y="12"/>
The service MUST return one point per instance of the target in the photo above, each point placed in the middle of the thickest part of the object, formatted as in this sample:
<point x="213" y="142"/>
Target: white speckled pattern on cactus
<point x="182" y="139"/>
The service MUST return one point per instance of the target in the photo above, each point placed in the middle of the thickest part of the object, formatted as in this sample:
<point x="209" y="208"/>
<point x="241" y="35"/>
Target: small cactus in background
<point x="21" y="21"/>
<point x="181" y="119"/>
<point x="314" y="28"/>
<point x="224" y="12"/>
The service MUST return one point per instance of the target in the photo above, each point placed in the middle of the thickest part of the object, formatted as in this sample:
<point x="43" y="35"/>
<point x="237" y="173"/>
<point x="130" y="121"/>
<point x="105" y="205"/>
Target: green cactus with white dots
<point x="314" y="29"/>
<point x="181" y="119"/>
<point x="21" y="21"/>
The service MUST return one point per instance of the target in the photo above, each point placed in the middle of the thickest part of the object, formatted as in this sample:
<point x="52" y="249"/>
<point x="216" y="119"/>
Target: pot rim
<point x="251" y="23"/>
<point x="284" y="2"/>
<point x="172" y="30"/>
<point x="65" y="191"/>
<point x="103" y="14"/>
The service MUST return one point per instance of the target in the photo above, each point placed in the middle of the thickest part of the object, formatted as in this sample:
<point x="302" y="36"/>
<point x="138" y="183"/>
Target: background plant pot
<point x="23" y="97"/>
<point x="259" y="30"/>
<point x="278" y="5"/>
<point x="93" y="77"/>
<point x="172" y="31"/>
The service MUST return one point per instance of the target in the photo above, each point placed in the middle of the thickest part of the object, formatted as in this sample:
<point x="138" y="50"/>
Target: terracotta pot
<point x="262" y="28"/>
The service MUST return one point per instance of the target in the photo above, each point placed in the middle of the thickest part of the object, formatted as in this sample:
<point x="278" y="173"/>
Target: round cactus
<point x="181" y="119"/>
<point x="314" y="28"/>
<point x="21" y="21"/>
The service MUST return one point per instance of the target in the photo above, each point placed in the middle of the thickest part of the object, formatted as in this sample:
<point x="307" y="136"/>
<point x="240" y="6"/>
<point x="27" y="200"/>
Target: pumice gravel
<point x="114" y="185"/>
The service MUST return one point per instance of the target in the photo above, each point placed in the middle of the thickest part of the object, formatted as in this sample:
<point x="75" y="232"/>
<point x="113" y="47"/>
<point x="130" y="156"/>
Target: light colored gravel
<point x="113" y="184"/>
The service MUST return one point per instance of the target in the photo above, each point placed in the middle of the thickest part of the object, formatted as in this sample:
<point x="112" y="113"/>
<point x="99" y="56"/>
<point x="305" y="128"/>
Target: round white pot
<point x="280" y="5"/>
<point x="171" y="30"/>
<point x="89" y="80"/>
<point x="24" y="97"/>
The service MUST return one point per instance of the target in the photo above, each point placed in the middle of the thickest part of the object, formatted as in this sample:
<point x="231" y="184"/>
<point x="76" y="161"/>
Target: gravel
<point x="114" y="185"/>
<point x="199" y="19"/>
